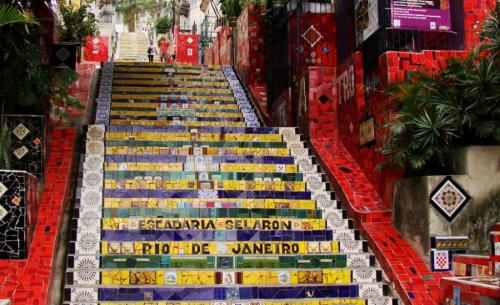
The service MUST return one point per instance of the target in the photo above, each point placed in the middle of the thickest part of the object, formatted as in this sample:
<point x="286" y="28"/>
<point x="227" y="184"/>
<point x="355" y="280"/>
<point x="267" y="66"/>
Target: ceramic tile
<point x="449" y="198"/>
<point x="28" y="136"/>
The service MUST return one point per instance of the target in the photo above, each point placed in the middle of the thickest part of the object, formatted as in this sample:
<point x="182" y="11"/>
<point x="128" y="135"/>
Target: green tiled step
<point x="363" y="260"/>
<point x="196" y="175"/>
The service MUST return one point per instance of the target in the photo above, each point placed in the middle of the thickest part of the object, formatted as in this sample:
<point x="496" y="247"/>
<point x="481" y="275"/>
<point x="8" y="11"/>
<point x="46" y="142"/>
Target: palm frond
<point x="10" y="14"/>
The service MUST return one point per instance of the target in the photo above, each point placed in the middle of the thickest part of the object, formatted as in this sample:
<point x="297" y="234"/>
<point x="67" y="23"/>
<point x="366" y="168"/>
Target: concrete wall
<point x="478" y="173"/>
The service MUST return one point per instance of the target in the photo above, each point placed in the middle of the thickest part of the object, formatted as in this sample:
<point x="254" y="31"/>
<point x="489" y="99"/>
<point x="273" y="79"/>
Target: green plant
<point x="5" y="145"/>
<point x="131" y="9"/>
<point x="490" y="33"/>
<point x="455" y="107"/>
<point x="163" y="25"/>
<point x="60" y="98"/>
<point x="27" y="82"/>
<point x="231" y="8"/>
<point x="10" y="14"/>
<point x="78" y="23"/>
<point x="14" y="28"/>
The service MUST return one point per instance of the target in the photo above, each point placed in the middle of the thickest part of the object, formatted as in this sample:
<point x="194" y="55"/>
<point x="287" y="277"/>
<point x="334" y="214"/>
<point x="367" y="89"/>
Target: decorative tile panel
<point x="18" y="204"/>
<point x="28" y="143"/>
<point x="449" y="198"/>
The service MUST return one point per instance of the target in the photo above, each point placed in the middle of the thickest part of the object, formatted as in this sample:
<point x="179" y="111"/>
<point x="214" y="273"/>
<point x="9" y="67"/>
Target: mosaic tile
<point x="20" y="131"/>
<point x="441" y="260"/>
<point x="28" y="143"/>
<point x="192" y="197"/>
<point x="96" y="132"/>
<point x="93" y="179"/>
<point x="18" y="207"/>
<point x="449" y="198"/>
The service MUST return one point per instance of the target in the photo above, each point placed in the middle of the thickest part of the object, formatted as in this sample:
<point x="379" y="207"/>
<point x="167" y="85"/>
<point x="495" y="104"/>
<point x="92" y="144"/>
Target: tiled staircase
<point x="132" y="46"/>
<point x="185" y="199"/>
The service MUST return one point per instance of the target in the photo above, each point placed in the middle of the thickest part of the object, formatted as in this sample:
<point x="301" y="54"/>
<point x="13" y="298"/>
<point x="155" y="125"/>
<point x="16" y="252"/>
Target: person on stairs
<point x="164" y="50"/>
<point x="151" y="51"/>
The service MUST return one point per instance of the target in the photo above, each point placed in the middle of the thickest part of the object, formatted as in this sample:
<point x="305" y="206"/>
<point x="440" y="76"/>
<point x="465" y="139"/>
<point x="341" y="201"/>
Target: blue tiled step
<point x="310" y="301"/>
<point x="214" y="194"/>
<point x="201" y="129"/>
<point x="232" y="293"/>
<point x="198" y="175"/>
<point x="235" y="144"/>
<point x="160" y="117"/>
<point x="165" y="109"/>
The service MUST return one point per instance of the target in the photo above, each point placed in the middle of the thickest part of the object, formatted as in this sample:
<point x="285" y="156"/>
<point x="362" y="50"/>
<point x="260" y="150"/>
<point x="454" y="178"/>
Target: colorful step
<point x="183" y="198"/>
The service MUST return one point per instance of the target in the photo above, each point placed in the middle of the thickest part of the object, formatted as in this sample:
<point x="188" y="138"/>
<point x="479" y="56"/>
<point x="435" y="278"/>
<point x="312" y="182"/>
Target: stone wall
<point x="477" y="172"/>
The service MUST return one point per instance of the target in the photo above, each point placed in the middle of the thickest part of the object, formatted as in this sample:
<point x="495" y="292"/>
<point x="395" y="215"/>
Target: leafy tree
<point x="231" y="8"/>
<point x="78" y="23"/>
<point x="163" y="25"/>
<point x="131" y="9"/>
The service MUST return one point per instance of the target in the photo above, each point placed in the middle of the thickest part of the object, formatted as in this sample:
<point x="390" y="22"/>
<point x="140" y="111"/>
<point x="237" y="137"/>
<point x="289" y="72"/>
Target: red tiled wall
<point x="28" y="281"/>
<point x="317" y="114"/>
<point x="281" y="109"/>
<point x="476" y="11"/>
<point x="216" y="47"/>
<point x="96" y="49"/>
<point x="183" y="47"/>
<point x="470" y="293"/>
<point x="250" y="48"/>
<point x="223" y="37"/>
<point x="209" y="56"/>
<point x="323" y="53"/>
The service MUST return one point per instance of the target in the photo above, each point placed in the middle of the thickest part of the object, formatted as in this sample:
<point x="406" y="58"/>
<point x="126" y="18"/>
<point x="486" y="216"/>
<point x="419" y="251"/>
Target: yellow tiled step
<point x="200" y="114"/>
<point x="167" y="90"/>
<point x="168" y="82"/>
<point x="176" y="65"/>
<point x="186" y="136"/>
<point x="203" y="278"/>
<point x="223" y="167"/>
<point x="228" y="185"/>
<point x="157" y="96"/>
<point x="182" y="123"/>
<point x="160" y="69"/>
<point x="163" y="75"/>
<point x="157" y="105"/>
<point x="207" y="151"/>
<point x="174" y="203"/>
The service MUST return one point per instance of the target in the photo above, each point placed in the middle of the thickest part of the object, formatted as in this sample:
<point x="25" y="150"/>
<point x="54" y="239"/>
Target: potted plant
<point x="29" y="85"/>
<point x="77" y="24"/>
